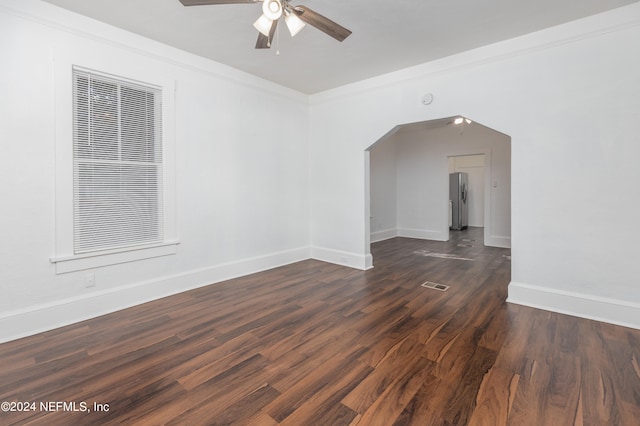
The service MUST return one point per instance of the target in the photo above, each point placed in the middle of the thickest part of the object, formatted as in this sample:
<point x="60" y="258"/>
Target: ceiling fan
<point x="295" y="18"/>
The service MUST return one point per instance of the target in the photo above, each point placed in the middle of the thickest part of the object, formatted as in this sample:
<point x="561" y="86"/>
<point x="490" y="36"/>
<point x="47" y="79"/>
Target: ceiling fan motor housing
<point x="272" y="9"/>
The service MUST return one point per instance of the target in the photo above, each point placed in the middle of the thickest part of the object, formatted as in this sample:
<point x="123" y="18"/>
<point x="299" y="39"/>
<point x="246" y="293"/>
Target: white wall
<point x="242" y="195"/>
<point x="384" y="193"/>
<point x="569" y="97"/>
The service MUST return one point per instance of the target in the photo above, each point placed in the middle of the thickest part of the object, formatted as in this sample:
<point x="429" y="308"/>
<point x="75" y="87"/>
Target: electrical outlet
<point x="90" y="280"/>
<point x="343" y="259"/>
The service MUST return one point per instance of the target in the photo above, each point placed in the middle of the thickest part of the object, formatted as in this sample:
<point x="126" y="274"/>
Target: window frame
<point x="64" y="259"/>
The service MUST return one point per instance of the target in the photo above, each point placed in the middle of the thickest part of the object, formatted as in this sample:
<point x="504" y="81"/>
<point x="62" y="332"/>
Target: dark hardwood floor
<point x="320" y="344"/>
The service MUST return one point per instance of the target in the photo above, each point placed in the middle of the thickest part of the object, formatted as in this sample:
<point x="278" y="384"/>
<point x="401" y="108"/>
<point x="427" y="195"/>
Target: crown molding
<point x="59" y="19"/>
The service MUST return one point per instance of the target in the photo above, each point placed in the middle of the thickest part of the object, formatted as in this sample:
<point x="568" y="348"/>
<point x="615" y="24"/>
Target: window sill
<point x="65" y="264"/>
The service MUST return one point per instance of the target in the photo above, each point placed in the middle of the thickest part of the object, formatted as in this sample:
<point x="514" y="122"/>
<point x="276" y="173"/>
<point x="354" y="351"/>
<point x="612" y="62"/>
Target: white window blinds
<point x="117" y="158"/>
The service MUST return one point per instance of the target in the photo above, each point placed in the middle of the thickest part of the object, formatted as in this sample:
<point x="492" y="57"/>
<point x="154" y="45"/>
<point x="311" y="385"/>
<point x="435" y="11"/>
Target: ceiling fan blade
<point x="207" y="2"/>
<point x="264" y="42"/>
<point x="322" y="23"/>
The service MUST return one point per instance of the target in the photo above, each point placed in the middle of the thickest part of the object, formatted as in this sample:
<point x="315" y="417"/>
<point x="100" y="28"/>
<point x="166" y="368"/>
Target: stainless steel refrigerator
<point x="459" y="194"/>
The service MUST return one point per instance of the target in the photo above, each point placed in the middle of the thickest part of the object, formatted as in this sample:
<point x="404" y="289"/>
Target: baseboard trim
<point x="596" y="308"/>
<point x="423" y="234"/>
<point x="25" y="322"/>
<point x="385" y="234"/>
<point x="497" y="241"/>
<point x="352" y="260"/>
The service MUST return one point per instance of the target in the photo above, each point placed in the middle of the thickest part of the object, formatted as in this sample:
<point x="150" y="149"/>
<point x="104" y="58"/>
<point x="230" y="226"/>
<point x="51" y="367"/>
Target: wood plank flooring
<point x="320" y="344"/>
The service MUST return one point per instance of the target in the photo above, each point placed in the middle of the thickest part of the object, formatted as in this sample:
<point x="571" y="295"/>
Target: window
<point x="117" y="163"/>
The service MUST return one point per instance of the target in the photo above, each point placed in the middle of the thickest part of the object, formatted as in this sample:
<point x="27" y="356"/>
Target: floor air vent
<point x="435" y="286"/>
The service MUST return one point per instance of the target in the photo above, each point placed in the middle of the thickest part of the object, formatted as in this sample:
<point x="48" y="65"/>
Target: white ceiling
<point x="388" y="35"/>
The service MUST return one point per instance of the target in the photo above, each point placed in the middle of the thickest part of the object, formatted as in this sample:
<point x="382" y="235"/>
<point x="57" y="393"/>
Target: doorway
<point x="473" y="166"/>
<point x="407" y="180"/>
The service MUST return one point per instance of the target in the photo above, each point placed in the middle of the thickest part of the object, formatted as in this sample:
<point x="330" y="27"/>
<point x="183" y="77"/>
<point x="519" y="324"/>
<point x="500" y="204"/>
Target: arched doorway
<point x="407" y="180"/>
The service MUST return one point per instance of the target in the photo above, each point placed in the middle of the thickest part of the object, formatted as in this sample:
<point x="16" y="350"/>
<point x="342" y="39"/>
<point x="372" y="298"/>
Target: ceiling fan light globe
<point x="272" y="9"/>
<point x="294" y="23"/>
<point x="263" y="24"/>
